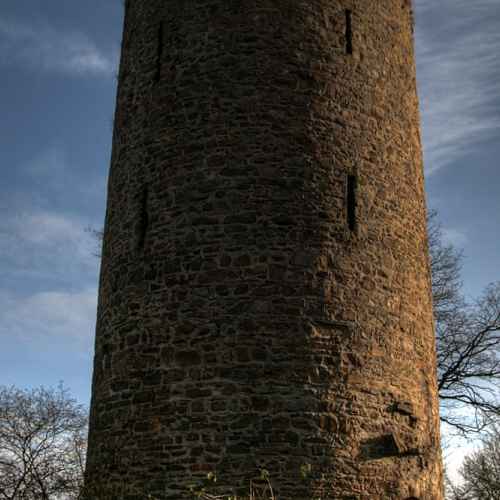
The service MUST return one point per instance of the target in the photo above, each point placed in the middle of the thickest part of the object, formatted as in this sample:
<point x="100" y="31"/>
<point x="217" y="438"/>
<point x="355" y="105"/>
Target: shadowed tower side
<point x="265" y="292"/>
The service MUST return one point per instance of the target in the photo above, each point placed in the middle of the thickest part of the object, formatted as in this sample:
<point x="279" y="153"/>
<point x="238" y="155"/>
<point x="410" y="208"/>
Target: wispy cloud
<point x="42" y="47"/>
<point x="39" y="249"/>
<point x="49" y="163"/>
<point x="458" y="58"/>
<point x="49" y="316"/>
<point x="454" y="237"/>
<point x="43" y="233"/>
<point x="53" y="172"/>
<point x="47" y="229"/>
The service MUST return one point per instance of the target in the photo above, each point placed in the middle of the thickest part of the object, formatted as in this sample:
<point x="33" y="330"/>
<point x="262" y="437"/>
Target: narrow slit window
<point x="351" y="201"/>
<point x="143" y="221"/>
<point x="106" y="357"/>
<point x="159" y="53"/>
<point x="348" y="31"/>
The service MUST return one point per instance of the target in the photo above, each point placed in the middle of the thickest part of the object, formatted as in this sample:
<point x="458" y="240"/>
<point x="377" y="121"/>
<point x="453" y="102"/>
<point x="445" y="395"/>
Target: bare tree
<point x="468" y="340"/>
<point x="42" y="444"/>
<point x="480" y="471"/>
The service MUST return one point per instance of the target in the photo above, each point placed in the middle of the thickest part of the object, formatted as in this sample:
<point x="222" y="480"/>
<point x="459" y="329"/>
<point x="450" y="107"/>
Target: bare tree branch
<point x="468" y="340"/>
<point x="42" y="444"/>
<point x="480" y="471"/>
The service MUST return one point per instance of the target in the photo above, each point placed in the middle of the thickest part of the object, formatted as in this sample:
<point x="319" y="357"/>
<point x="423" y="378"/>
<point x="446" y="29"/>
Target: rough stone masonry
<point x="265" y="294"/>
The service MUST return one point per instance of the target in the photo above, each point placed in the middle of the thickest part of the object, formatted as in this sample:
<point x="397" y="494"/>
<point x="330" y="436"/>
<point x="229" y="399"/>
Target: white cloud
<point x="454" y="455"/>
<point x="51" y="170"/>
<point x="455" y="448"/>
<point x="55" y="316"/>
<point x="454" y="237"/>
<point x="42" y="47"/>
<point x="48" y="271"/>
<point x="40" y="240"/>
<point x="50" y="163"/>
<point x="458" y="58"/>
<point x="46" y="246"/>
<point x="47" y="229"/>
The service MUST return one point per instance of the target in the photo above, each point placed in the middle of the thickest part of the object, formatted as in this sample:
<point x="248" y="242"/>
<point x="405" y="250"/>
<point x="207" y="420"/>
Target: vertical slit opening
<point x="106" y="357"/>
<point x="143" y="221"/>
<point x="348" y="31"/>
<point x="351" y="201"/>
<point x="159" y="52"/>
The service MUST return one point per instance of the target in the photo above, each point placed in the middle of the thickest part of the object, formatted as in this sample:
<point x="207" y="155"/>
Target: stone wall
<point x="265" y="294"/>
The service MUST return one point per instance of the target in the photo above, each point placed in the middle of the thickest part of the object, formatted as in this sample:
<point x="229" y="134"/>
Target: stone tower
<point x="265" y="294"/>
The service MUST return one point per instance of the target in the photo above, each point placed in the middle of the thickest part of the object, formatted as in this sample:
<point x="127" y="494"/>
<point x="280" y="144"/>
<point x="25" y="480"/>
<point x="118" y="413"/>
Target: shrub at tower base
<point x="265" y="292"/>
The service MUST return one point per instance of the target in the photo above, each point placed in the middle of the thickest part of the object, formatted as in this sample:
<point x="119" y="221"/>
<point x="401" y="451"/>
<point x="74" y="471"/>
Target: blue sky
<point x="58" y="61"/>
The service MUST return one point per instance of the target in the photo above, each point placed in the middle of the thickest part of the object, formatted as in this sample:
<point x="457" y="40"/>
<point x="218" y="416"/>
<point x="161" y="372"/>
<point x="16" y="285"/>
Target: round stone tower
<point x="265" y="296"/>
